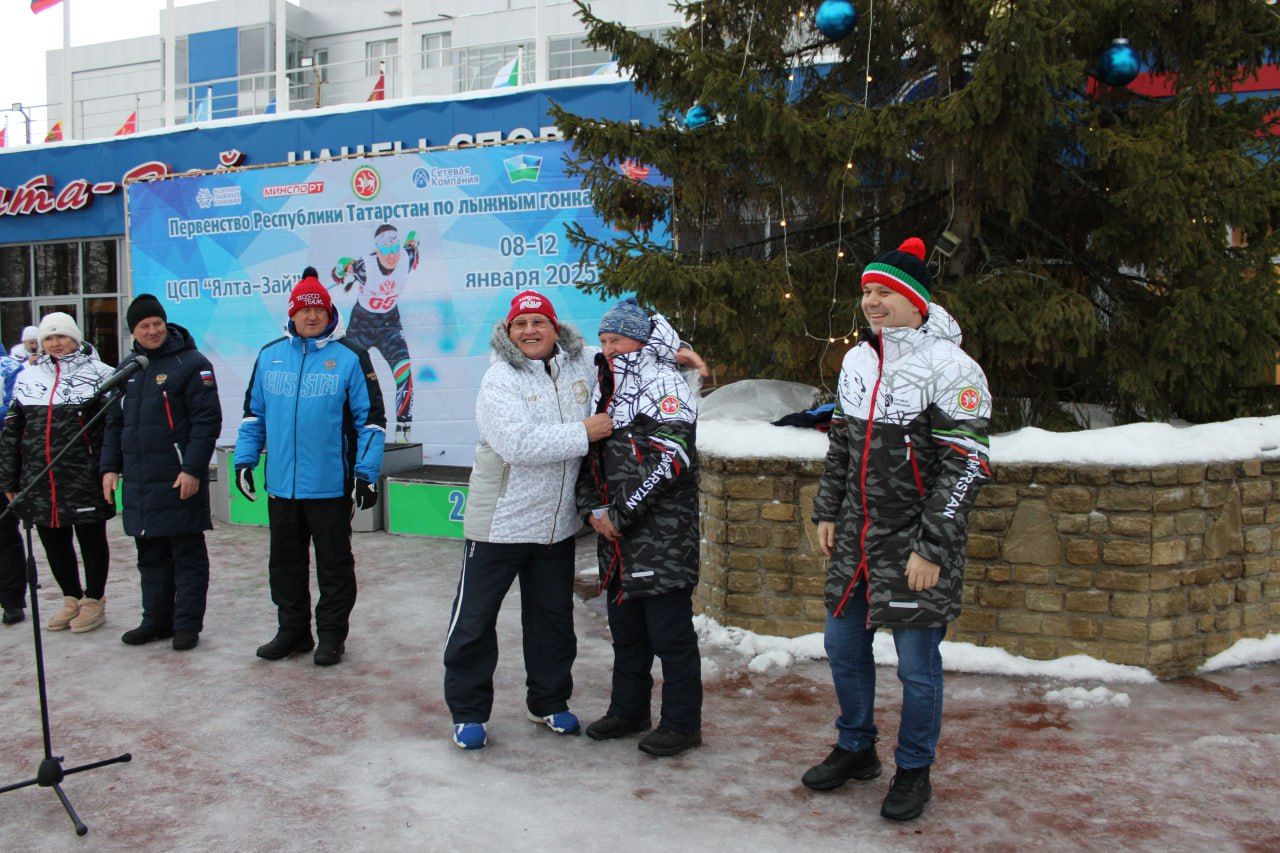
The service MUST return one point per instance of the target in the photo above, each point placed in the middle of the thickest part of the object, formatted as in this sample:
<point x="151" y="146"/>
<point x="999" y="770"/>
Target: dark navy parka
<point x="165" y="422"/>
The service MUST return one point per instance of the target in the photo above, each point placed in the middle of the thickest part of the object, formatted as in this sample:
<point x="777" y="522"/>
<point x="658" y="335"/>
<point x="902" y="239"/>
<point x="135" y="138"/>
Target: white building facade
<point x="224" y="57"/>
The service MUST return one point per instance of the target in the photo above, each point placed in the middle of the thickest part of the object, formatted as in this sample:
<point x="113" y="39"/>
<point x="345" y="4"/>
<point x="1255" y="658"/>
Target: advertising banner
<point x="421" y="253"/>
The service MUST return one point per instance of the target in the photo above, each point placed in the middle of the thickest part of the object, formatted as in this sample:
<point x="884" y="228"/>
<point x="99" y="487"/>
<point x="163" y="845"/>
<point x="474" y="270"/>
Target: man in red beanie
<point x="315" y="406"/>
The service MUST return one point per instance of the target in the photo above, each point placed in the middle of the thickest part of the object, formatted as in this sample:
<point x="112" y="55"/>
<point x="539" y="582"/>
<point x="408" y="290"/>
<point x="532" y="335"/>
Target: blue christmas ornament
<point x="836" y="18"/>
<point x="1118" y="64"/>
<point x="696" y="117"/>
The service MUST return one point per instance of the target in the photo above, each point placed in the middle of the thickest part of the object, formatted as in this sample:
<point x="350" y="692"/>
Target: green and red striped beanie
<point x="903" y="271"/>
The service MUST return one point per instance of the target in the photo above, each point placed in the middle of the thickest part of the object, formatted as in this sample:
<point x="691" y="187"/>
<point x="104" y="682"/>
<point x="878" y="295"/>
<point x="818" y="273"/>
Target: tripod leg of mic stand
<point x="128" y="756"/>
<point x="81" y="829"/>
<point x="16" y="785"/>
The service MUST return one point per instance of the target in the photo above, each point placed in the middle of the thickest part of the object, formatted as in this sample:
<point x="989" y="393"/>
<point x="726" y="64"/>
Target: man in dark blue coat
<point x="160" y="436"/>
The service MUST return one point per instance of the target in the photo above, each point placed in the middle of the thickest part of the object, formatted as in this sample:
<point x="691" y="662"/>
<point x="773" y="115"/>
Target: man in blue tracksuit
<point x="314" y="405"/>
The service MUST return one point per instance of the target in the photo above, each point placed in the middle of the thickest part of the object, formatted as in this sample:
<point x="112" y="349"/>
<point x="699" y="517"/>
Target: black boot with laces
<point x="907" y="795"/>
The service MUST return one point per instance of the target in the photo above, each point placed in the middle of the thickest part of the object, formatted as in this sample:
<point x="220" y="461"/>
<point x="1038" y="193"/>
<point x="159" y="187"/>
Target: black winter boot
<point x="664" y="742"/>
<point x="144" y="634"/>
<point x="841" y="766"/>
<point x="907" y="795"/>
<point x="284" y="644"/>
<point x="14" y="615"/>
<point x="185" y="640"/>
<point x="329" y="652"/>
<point x="610" y="727"/>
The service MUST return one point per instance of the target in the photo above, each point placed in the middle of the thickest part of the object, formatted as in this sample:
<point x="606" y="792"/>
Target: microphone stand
<point x="51" y="772"/>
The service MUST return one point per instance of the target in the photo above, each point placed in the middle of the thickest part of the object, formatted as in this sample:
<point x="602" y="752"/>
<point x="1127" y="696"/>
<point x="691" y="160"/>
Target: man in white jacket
<point x="534" y="416"/>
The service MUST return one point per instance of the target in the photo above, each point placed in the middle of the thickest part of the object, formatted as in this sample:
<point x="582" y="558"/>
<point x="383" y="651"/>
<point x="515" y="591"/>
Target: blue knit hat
<point x="628" y="319"/>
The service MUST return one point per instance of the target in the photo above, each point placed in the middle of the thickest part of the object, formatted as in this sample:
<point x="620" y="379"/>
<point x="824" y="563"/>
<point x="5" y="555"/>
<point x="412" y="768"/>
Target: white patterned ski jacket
<point x="531" y="443"/>
<point x="907" y="454"/>
<point x="646" y="473"/>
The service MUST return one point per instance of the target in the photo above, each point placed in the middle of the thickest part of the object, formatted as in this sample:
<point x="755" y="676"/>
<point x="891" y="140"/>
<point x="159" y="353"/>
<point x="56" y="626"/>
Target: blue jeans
<point x="848" y="644"/>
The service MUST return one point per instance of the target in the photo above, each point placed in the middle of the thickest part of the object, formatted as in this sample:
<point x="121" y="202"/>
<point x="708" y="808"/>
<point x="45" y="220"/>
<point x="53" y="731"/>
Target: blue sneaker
<point x="561" y="722"/>
<point x="470" y="735"/>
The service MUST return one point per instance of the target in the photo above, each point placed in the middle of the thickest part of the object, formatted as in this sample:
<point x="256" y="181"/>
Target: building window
<point x="79" y="277"/>
<point x="253" y="59"/>
<point x="181" y="63"/>
<point x="571" y="57"/>
<point x="437" y="50"/>
<point x="378" y="52"/>
<point x="15" y="272"/>
<point x="481" y="67"/>
<point x="99" y="266"/>
<point x="57" y="268"/>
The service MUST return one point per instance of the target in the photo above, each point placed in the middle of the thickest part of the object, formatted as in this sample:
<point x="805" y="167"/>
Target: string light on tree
<point x="1118" y="65"/>
<point x="836" y="19"/>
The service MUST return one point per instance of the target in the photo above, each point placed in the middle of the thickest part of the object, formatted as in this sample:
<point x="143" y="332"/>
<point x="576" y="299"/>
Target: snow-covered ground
<point x="235" y="753"/>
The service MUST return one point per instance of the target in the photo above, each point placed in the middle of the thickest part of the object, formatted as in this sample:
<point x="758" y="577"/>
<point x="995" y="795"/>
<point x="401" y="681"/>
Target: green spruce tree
<point x="1093" y="261"/>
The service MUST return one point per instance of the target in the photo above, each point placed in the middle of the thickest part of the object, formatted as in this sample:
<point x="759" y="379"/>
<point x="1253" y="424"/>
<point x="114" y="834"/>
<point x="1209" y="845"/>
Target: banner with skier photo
<point x="422" y="253"/>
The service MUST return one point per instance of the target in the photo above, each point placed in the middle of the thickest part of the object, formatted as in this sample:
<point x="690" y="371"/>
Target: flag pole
<point x="68" y="130"/>
<point x="170" y="67"/>
<point x="282" y="60"/>
<point x="406" y="50"/>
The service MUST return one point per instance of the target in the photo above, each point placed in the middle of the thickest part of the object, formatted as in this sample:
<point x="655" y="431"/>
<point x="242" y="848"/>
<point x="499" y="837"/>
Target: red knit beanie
<point x="310" y="293"/>
<point x="532" y="302"/>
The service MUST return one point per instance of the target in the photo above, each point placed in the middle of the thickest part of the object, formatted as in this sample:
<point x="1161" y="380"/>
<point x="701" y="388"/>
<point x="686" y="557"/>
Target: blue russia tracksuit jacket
<point x="315" y="406"/>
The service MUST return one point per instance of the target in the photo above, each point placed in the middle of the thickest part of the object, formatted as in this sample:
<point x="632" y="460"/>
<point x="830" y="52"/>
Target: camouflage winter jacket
<point x="907" y="453"/>
<point x="645" y="475"/>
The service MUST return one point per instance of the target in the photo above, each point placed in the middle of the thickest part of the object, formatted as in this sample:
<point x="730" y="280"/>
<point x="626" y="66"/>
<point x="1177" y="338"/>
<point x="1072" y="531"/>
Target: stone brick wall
<point x="1157" y="567"/>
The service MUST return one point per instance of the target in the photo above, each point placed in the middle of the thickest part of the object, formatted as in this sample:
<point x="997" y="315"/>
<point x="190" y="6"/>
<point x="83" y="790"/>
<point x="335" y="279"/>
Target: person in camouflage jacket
<point x="907" y="455"/>
<point x="639" y="489"/>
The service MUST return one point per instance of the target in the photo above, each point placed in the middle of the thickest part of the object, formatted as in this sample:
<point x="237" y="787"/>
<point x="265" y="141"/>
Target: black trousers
<point x="92" y="537"/>
<point x="13" y="562"/>
<point x="659" y="625"/>
<point x="546" y="620"/>
<point x="295" y="525"/>
<point x="174" y="571"/>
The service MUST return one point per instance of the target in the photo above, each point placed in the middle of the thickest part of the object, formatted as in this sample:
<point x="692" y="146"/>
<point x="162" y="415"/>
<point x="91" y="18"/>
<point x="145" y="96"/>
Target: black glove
<point x="366" y="494"/>
<point x="244" y="482"/>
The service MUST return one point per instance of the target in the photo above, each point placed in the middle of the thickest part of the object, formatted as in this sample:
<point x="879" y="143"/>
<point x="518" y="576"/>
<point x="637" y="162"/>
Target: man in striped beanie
<point x="903" y="272"/>
<point x="908" y="452"/>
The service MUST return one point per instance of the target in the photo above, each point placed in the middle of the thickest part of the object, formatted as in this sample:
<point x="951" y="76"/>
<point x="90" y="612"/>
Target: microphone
<point x="122" y="375"/>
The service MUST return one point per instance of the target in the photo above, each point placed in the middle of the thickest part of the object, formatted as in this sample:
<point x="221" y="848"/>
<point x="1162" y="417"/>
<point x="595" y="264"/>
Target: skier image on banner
<point x="375" y="318"/>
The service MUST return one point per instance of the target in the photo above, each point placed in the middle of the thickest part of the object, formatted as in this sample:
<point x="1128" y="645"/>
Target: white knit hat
<point x="59" y="323"/>
<point x="30" y="333"/>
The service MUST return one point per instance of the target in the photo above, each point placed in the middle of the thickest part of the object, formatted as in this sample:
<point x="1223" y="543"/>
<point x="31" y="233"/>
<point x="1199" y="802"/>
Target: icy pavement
<point x="235" y="753"/>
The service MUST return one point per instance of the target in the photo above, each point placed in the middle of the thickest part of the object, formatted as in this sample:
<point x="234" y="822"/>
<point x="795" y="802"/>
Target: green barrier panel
<point x="243" y="510"/>
<point x="425" y="509"/>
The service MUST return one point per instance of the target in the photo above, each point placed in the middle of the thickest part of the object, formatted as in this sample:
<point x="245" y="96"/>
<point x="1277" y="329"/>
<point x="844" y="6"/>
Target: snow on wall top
<point x="1144" y="444"/>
